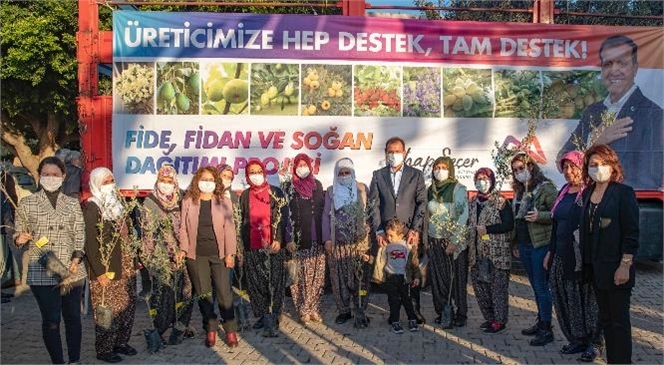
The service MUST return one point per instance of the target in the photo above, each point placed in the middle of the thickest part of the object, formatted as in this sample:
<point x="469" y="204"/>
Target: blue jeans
<point x="532" y="260"/>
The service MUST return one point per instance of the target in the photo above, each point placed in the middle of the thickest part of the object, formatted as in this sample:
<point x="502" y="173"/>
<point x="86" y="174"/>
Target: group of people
<point x="576" y="245"/>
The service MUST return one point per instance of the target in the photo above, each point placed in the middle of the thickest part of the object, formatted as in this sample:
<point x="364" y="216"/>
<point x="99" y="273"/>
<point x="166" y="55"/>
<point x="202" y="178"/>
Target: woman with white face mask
<point x="264" y="219"/>
<point x="304" y="235"/>
<point x="490" y="223"/>
<point x="447" y="200"/>
<point x="345" y="234"/>
<point x="207" y="237"/>
<point x="54" y="221"/>
<point x="160" y="224"/>
<point x="534" y="195"/>
<point x="107" y="233"/>
<point x="609" y="236"/>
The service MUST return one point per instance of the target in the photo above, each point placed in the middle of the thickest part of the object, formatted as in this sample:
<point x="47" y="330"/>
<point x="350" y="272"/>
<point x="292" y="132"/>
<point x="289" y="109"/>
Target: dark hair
<point x="397" y="226"/>
<point x="608" y="155"/>
<point x="393" y="140"/>
<point x="194" y="192"/>
<point x="52" y="160"/>
<point x="619" y="40"/>
<point x="536" y="175"/>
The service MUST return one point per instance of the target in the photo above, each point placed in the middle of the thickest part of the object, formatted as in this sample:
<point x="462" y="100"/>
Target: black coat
<point x="615" y="231"/>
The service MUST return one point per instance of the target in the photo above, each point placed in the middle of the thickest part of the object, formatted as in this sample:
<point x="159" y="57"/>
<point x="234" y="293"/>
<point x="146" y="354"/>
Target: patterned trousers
<point x="448" y="275"/>
<point x="347" y="285"/>
<point x="576" y="306"/>
<point x="492" y="298"/>
<point x="265" y="281"/>
<point x="306" y="293"/>
<point x="120" y="295"/>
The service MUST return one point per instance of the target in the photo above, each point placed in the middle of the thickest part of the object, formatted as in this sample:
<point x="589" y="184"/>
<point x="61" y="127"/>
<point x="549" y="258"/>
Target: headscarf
<point x="226" y="167"/>
<point x="344" y="195"/>
<point x="109" y="204"/>
<point x="260" y="214"/>
<point x="575" y="157"/>
<point x="443" y="191"/>
<point x="171" y="201"/>
<point x="305" y="187"/>
<point x="492" y="178"/>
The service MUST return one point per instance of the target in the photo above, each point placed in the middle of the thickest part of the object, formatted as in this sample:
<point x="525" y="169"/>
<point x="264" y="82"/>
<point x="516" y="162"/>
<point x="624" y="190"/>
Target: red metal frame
<point x="95" y="47"/>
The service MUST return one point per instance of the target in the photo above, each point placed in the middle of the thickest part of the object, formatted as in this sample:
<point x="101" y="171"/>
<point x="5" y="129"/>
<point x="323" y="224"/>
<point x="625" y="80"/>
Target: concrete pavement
<point x="330" y="343"/>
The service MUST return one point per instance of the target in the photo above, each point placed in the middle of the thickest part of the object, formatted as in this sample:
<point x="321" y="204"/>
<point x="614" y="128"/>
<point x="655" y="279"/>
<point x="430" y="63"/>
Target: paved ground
<point x="342" y="344"/>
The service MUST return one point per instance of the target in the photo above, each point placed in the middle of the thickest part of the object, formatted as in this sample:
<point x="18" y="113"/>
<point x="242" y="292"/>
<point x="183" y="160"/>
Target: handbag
<point x="292" y="272"/>
<point x="485" y="270"/>
<point x="53" y="265"/>
<point x="378" y="275"/>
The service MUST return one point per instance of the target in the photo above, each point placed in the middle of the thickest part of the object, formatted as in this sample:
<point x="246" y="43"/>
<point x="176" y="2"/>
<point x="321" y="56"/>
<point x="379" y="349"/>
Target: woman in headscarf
<point x="305" y="196"/>
<point x="264" y="217"/>
<point x="345" y="236"/>
<point x="489" y="256"/>
<point x="573" y="298"/>
<point x="53" y="221"/>
<point x="110" y="265"/>
<point x="226" y="174"/>
<point x="207" y="236"/>
<point x="447" y="210"/>
<point x="160" y="225"/>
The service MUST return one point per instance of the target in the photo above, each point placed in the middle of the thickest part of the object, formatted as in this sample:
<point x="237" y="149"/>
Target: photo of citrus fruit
<point x="275" y="88"/>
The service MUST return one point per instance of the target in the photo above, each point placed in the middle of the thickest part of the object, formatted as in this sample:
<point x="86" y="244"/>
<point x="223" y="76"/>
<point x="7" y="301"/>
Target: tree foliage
<point x="38" y="77"/>
<point x="563" y="7"/>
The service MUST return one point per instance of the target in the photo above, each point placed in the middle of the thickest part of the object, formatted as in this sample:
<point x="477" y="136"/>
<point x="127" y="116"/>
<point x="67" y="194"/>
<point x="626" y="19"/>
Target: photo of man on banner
<point x="626" y="120"/>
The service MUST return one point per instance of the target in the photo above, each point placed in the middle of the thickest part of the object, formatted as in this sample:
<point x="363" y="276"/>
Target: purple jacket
<point x="222" y="223"/>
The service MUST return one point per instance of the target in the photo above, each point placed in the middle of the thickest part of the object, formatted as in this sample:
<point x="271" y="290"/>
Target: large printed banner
<point x="197" y="89"/>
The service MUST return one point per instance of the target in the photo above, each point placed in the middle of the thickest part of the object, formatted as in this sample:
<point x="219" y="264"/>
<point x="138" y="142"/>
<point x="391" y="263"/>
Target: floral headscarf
<point x="168" y="201"/>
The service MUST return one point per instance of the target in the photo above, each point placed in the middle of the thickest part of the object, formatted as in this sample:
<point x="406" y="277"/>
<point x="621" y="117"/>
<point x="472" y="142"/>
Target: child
<point x="401" y="271"/>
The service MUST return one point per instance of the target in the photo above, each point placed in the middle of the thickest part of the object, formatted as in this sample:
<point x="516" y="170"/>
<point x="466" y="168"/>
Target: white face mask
<point x="227" y="183"/>
<point x="257" y="179"/>
<point x="108" y="189"/>
<point x="206" y="186"/>
<point x="166" y="188"/>
<point x="395" y="159"/>
<point x="302" y="172"/>
<point x="51" y="183"/>
<point x="482" y="186"/>
<point x="600" y="174"/>
<point x="345" y="180"/>
<point x="523" y="176"/>
<point x="441" y="175"/>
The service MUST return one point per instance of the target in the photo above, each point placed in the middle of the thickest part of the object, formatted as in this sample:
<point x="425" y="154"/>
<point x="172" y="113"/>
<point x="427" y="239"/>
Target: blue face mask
<point x="345" y="180"/>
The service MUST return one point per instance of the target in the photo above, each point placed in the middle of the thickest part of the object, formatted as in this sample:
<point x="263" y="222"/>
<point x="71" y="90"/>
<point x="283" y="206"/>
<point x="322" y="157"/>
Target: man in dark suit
<point x="398" y="191"/>
<point x="636" y="132"/>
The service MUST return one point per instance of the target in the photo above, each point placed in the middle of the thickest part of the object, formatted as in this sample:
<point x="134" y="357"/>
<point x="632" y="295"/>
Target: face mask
<point x="51" y="183"/>
<point x="395" y="159"/>
<point x="302" y="172"/>
<point x="227" y="183"/>
<point x="345" y="180"/>
<point x="441" y="175"/>
<point x="600" y="174"/>
<point x="166" y="188"/>
<point x="206" y="186"/>
<point x="523" y="176"/>
<point x="482" y="186"/>
<point x="108" y="189"/>
<point x="257" y="179"/>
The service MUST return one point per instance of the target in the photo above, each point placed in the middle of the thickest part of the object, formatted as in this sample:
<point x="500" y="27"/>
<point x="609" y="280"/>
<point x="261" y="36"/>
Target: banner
<point x="197" y="89"/>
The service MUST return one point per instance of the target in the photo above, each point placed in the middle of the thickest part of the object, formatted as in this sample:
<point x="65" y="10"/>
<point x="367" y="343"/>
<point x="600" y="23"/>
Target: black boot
<point x="270" y="325"/>
<point x="544" y="336"/>
<point x="532" y="331"/>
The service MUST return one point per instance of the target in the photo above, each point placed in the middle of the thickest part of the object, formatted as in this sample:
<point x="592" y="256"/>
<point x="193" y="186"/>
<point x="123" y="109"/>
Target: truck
<point x="195" y="89"/>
